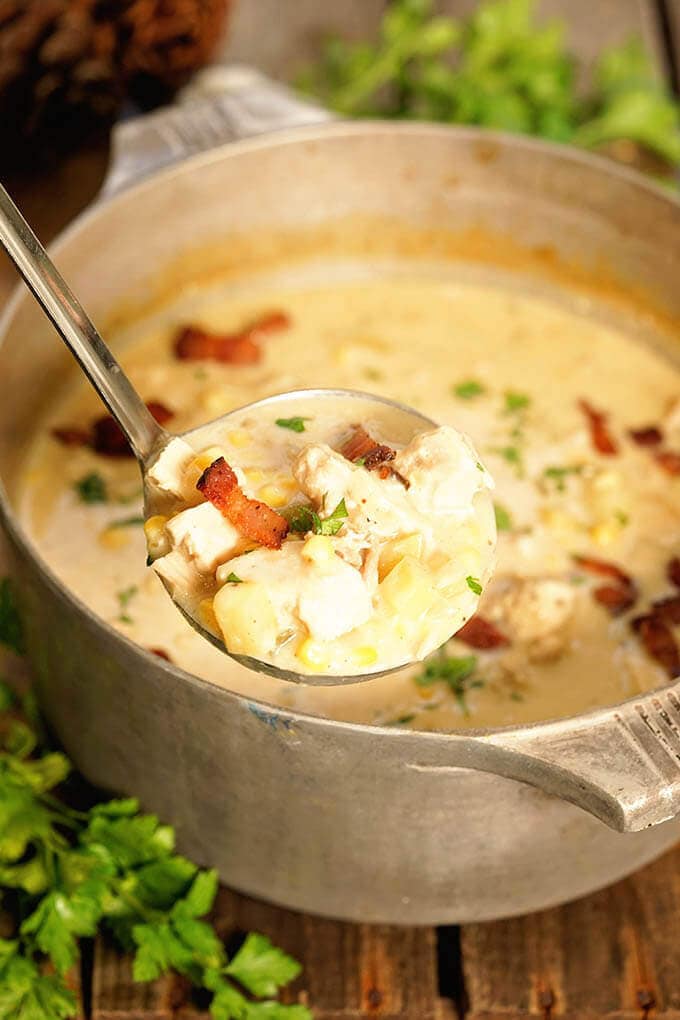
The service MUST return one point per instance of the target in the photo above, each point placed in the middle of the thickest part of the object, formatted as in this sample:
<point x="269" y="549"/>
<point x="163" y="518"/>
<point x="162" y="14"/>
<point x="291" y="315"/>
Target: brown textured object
<point x="66" y="66"/>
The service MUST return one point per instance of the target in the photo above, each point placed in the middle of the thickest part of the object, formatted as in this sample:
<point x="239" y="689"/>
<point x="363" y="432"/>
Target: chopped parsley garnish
<point x="68" y="874"/>
<point x="303" y="519"/>
<point x="360" y="461"/>
<point x="559" y="475"/>
<point x="468" y="389"/>
<point x="128" y="522"/>
<point x="233" y="578"/>
<point x="457" y="672"/>
<point x="91" y="488"/>
<point x="622" y="517"/>
<point x="125" y="597"/>
<point x="473" y="584"/>
<point x="516" y="402"/>
<point x="296" y="424"/>
<point x="512" y="455"/>
<point x="503" y="518"/>
<point x="479" y="465"/>
<point x="373" y="374"/>
<point x="401" y="720"/>
<point x="516" y="696"/>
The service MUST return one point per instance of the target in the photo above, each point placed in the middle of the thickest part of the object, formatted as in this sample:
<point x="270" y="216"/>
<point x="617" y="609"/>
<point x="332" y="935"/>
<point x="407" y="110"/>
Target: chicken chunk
<point x="535" y="613"/>
<point x="443" y="471"/>
<point x="205" y="536"/>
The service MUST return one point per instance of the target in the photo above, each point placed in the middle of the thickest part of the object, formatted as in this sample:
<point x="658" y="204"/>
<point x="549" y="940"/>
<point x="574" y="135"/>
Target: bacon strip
<point x="161" y="653"/>
<point x="659" y="642"/>
<point x="668" y="609"/>
<point x="599" y="433"/>
<point x="673" y="571"/>
<point x="192" y="343"/>
<point x="617" y="597"/>
<point x="648" y="436"/>
<point x="254" y="519"/>
<point x="105" y="435"/>
<point x="668" y="461"/>
<point x="374" y="455"/>
<point x="482" y="634"/>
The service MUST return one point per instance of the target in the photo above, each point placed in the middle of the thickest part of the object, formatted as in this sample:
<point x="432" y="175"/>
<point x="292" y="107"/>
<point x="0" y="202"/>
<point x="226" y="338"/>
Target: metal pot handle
<point x="622" y="765"/>
<point x="222" y="105"/>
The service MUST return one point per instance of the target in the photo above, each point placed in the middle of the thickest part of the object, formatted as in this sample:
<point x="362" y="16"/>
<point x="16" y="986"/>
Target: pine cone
<point x="67" y="65"/>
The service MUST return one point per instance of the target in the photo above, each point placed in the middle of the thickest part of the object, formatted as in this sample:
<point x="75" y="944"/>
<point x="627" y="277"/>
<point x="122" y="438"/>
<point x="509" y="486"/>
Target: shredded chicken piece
<point x="254" y="519"/>
<point x="536" y="613"/>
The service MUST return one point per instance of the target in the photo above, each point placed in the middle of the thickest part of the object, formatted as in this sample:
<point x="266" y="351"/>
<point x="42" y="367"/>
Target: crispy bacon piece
<point x="648" y="436"/>
<point x="72" y="437"/>
<point x="668" y="461"/>
<point x="617" y="597"/>
<point x="193" y="343"/>
<point x="362" y="446"/>
<point x="673" y="571"/>
<point x="659" y="642"/>
<point x="254" y="519"/>
<point x="481" y="633"/>
<point x="599" y="432"/>
<point x="161" y="653"/>
<point x="105" y="436"/>
<point x="668" y="609"/>
<point x="108" y="438"/>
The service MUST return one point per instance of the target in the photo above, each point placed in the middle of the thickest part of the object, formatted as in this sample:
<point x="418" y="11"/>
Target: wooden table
<point x="615" y="954"/>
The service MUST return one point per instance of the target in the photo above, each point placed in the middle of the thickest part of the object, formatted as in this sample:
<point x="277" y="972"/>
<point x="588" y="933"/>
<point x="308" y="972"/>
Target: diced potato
<point x="395" y="550"/>
<point x="318" y="549"/>
<point x="157" y="541"/>
<point x="408" y="589"/>
<point x="313" y="655"/>
<point x="246" y="618"/>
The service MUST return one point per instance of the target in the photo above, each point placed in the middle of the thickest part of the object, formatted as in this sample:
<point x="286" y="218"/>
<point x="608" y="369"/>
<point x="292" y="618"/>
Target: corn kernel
<point x="217" y="401"/>
<point x="395" y="550"/>
<point x="114" y="538"/>
<point x="318" y="549"/>
<point x="207" y="457"/>
<point x="254" y="475"/>
<point x="273" y="495"/>
<point x="365" y="655"/>
<point x="239" y="438"/>
<point x="313" y="655"/>
<point x="408" y="588"/>
<point x="157" y="542"/>
<point x="606" y="532"/>
<point x="206" y="615"/>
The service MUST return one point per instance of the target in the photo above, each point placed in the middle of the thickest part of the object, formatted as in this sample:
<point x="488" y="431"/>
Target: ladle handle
<point x="77" y="330"/>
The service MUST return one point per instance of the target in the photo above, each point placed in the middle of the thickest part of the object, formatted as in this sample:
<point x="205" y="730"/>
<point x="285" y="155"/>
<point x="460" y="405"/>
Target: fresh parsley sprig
<point x="457" y="672"/>
<point x="74" y="873"/>
<point x="303" y="519"/>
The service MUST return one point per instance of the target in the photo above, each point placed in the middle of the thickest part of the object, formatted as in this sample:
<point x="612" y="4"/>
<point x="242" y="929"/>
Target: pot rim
<point x="284" y="137"/>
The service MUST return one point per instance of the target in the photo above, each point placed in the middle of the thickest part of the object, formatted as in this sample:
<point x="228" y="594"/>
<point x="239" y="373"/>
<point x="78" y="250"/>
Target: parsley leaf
<point x="11" y="631"/>
<point x="503" y="517"/>
<point x="559" y="475"/>
<point x="110" y="868"/>
<point x="91" y="488"/>
<point x="469" y="389"/>
<point x="516" y="402"/>
<point x="136" y="521"/>
<point x="473" y="584"/>
<point x="262" y="968"/>
<point x="125" y="597"/>
<point x="303" y="519"/>
<point x="295" y="424"/>
<point x="457" y="672"/>
<point x="233" y="578"/>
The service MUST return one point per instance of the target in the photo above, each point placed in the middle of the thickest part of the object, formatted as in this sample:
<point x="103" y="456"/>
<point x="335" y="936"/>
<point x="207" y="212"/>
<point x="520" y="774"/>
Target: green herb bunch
<point x="67" y="874"/>
<point x="500" y="69"/>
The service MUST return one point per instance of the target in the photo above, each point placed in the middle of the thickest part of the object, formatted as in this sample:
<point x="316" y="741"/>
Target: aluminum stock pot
<point x="349" y="821"/>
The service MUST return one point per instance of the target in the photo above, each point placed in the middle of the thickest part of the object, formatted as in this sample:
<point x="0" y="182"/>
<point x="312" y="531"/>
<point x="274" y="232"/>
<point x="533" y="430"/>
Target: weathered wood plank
<point x="616" y="953"/>
<point x="348" y="970"/>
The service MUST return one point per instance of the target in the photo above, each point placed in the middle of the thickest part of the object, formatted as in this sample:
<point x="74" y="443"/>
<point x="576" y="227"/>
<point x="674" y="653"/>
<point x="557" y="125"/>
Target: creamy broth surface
<point x="507" y="369"/>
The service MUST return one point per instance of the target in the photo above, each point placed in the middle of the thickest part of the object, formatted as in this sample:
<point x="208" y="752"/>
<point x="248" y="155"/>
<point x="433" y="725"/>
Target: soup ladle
<point x="146" y="437"/>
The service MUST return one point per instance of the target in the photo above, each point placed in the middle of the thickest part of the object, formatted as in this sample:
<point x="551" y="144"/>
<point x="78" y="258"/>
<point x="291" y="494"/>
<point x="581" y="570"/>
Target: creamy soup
<point x="322" y="546"/>
<point x="588" y="513"/>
